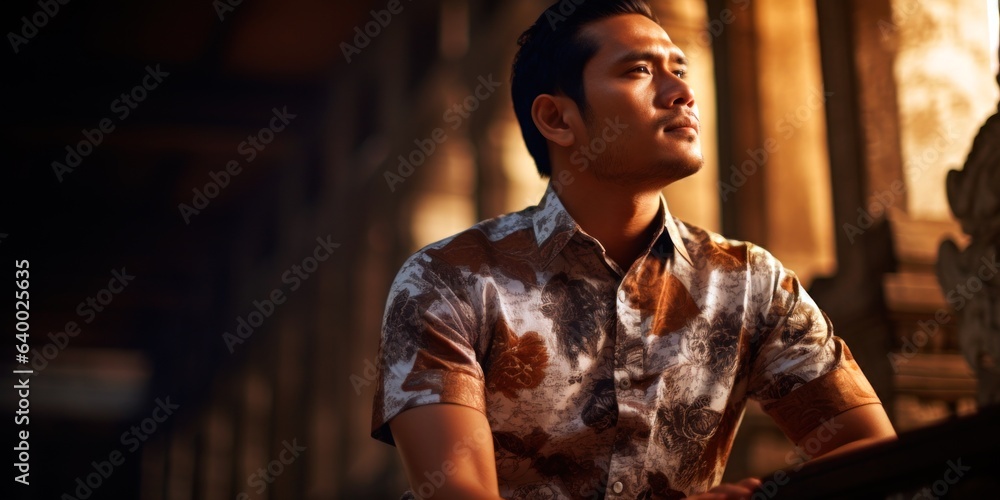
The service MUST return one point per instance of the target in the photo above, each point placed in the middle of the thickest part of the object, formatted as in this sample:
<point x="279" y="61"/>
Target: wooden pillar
<point x="853" y="298"/>
<point x="793" y="105"/>
<point x="743" y="198"/>
<point x="217" y="479"/>
<point x="773" y="175"/>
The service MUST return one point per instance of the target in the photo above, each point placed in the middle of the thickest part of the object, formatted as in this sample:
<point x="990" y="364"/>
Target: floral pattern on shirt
<point x="598" y="384"/>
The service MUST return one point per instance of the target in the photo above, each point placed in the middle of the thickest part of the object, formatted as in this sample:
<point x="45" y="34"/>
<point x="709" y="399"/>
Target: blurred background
<point x="214" y="197"/>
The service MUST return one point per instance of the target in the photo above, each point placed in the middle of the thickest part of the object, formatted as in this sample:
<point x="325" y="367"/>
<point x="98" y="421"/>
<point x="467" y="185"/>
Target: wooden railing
<point x="958" y="459"/>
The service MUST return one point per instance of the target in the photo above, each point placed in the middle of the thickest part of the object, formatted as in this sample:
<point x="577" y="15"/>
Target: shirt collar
<point x="675" y="235"/>
<point x="554" y="227"/>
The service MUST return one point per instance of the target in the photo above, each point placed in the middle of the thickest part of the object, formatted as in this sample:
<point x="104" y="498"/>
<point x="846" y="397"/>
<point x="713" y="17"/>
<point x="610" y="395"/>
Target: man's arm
<point x="447" y="451"/>
<point x="853" y="429"/>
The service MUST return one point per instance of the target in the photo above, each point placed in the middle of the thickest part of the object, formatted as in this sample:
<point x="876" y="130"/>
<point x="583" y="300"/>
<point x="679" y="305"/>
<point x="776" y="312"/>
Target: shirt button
<point x="624" y="384"/>
<point x="618" y="487"/>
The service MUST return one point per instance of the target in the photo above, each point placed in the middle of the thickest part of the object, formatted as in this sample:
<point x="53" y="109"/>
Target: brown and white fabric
<point x="600" y="382"/>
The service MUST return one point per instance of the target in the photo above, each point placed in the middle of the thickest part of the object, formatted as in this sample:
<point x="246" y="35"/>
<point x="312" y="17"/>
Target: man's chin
<point x="656" y="175"/>
<point x="676" y="169"/>
<point x="661" y="176"/>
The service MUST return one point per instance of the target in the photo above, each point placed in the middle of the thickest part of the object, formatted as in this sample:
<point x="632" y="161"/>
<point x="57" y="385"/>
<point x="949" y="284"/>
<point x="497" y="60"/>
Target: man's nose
<point x="675" y="91"/>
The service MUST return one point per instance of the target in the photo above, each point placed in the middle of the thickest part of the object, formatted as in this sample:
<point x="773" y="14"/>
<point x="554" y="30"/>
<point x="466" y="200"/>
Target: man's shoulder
<point x="484" y="243"/>
<point x="718" y="250"/>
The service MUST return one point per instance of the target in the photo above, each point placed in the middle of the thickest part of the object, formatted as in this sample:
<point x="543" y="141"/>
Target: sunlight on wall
<point x="793" y="110"/>
<point x="525" y="185"/>
<point x="448" y="209"/>
<point x="947" y="88"/>
<point x="993" y="18"/>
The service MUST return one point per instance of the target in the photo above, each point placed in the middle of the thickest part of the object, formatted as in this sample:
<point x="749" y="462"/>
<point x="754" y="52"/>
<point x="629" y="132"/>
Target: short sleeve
<point x="801" y="373"/>
<point x="426" y="352"/>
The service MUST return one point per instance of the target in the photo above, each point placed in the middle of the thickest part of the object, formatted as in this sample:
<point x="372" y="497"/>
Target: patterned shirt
<point x="599" y="382"/>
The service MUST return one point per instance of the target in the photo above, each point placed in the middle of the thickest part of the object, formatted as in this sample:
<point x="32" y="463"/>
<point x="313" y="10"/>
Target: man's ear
<point x="553" y="115"/>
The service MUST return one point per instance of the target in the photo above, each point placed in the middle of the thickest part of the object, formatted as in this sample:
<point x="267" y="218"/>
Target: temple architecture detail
<point x="968" y="276"/>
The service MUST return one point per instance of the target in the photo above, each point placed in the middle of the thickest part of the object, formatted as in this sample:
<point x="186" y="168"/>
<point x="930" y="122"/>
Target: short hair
<point x="551" y="57"/>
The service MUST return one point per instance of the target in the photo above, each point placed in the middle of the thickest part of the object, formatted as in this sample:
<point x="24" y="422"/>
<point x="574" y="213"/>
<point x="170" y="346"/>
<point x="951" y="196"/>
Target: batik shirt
<point x="603" y="382"/>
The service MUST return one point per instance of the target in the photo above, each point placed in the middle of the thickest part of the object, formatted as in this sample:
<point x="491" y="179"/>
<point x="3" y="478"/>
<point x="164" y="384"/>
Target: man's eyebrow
<point x="649" y="55"/>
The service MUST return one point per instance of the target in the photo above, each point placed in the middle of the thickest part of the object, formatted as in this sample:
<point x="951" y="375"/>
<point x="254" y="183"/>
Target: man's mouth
<point x="685" y="123"/>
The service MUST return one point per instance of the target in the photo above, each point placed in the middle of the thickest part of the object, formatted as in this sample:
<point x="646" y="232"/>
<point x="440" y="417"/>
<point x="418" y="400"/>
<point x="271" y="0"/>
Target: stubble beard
<point x="612" y="167"/>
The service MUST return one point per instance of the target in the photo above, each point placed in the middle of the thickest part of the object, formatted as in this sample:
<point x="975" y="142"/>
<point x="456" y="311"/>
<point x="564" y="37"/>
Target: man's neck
<point x="622" y="219"/>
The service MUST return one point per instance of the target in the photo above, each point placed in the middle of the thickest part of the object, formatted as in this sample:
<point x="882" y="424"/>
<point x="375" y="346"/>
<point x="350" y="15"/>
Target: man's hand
<point x="447" y="452"/>
<point x="739" y="491"/>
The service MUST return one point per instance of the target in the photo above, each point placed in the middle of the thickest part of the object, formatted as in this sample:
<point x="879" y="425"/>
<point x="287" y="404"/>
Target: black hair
<point x="551" y="57"/>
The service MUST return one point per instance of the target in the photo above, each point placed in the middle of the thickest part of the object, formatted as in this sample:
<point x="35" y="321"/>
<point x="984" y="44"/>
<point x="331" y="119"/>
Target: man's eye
<point x="642" y="69"/>
<point x="682" y="74"/>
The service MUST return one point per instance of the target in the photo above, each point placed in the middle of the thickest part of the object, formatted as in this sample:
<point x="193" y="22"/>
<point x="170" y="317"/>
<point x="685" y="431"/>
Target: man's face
<point x="639" y="105"/>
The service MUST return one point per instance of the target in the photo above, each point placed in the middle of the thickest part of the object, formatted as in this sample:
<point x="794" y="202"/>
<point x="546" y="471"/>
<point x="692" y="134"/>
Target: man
<point x="594" y="346"/>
